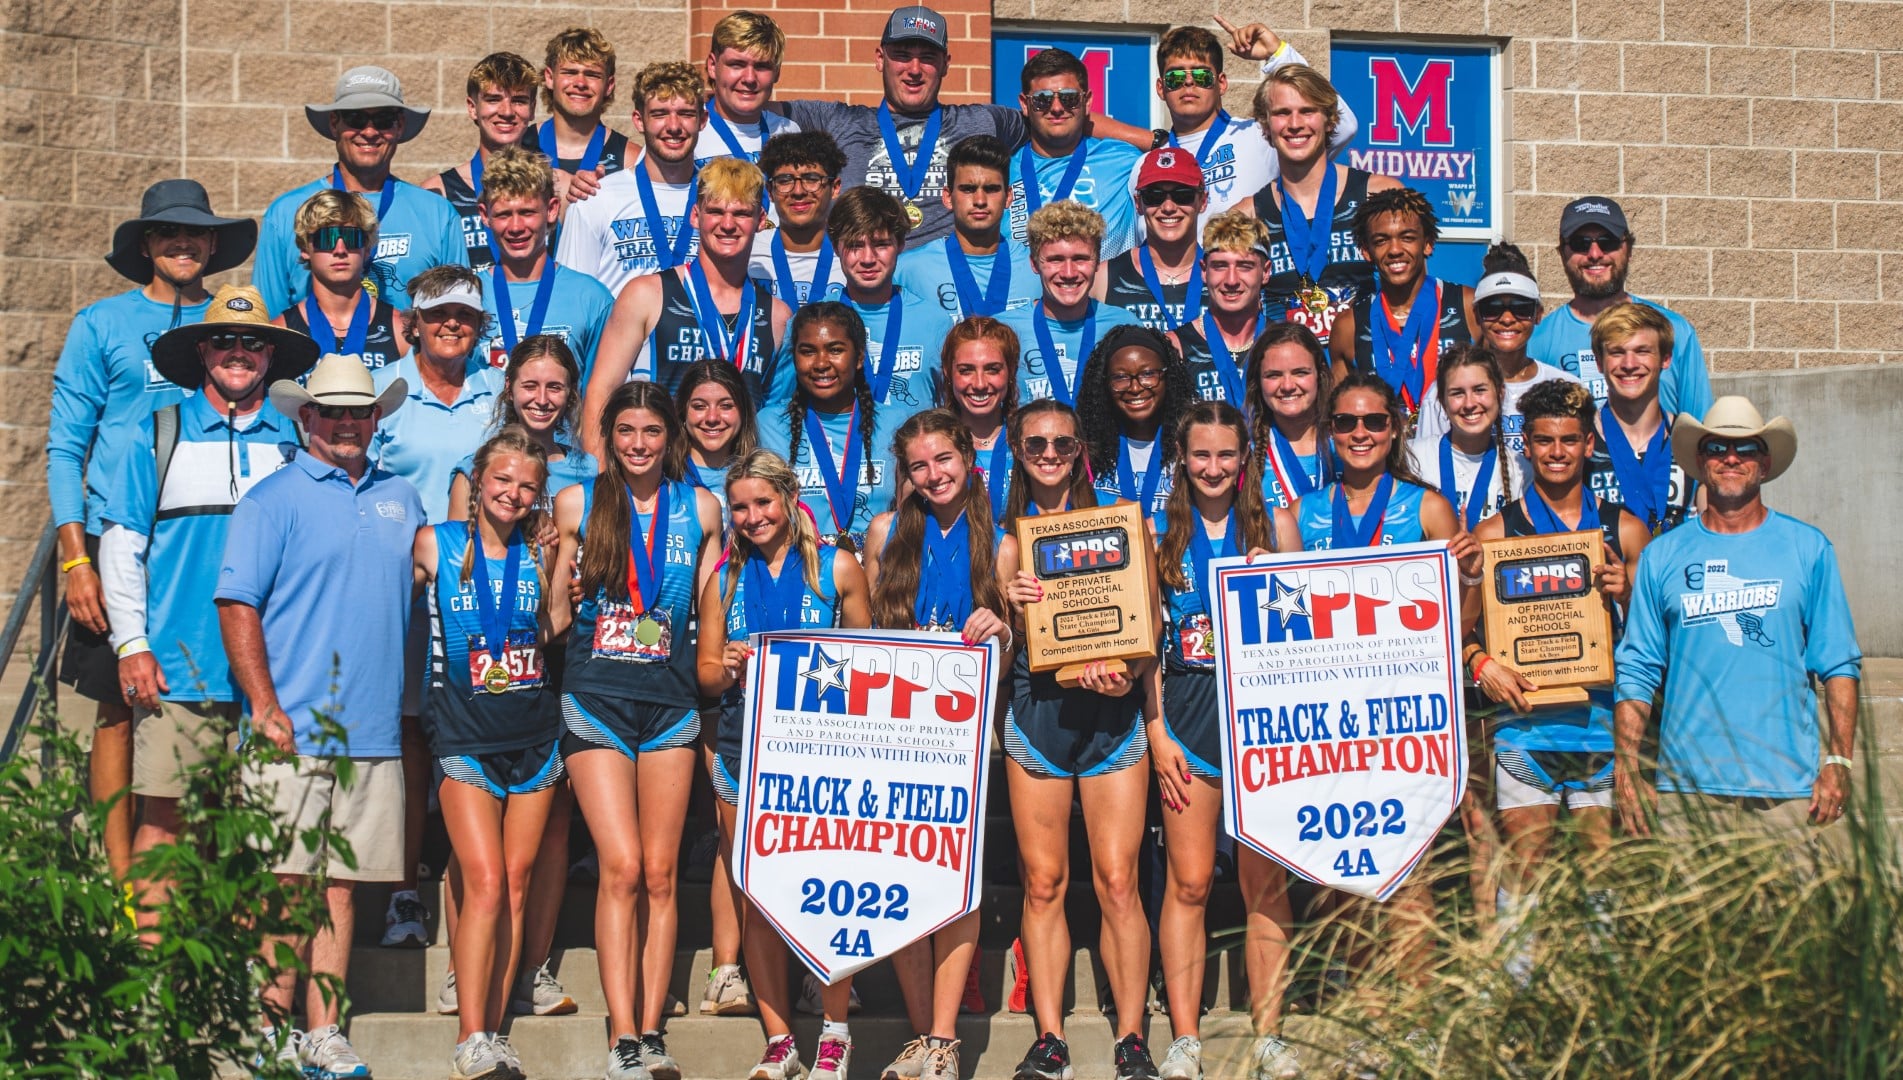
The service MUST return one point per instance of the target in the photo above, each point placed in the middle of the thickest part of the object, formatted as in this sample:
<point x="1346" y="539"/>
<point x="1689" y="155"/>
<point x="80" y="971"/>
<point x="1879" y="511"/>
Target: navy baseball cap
<point x="1593" y="210"/>
<point x="915" y="23"/>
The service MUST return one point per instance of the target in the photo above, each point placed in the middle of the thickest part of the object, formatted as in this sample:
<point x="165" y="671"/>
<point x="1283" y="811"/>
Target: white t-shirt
<point x="751" y="137"/>
<point x="1431" y="424"/>
<point x="1504" y="486"/>
<point x="608" y="237"/>
<point x="803" y="264"/>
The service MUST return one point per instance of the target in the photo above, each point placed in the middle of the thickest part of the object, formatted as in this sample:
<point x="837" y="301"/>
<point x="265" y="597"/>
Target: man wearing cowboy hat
<point x="417" y="229"/>
<point x="314" y="604"/>
<point x="104" y="384"/>
<point x="1732" y="615"/>
<point x="165" y="537"/>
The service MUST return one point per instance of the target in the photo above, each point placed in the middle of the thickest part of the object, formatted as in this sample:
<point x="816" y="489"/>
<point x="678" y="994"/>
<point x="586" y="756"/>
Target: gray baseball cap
<point x="1593" y="210"/>
<point x="915" y="23"/>
<point x="368" y="87"/>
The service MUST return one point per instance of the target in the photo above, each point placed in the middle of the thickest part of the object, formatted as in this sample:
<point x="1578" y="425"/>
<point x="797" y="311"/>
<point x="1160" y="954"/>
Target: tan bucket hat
<point x="234" y="309"/>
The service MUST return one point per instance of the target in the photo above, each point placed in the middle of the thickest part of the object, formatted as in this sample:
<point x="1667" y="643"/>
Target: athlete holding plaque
<point x="1287" y="405"/>
<point x="492" y="730"/>
<point x="646" y="540"/>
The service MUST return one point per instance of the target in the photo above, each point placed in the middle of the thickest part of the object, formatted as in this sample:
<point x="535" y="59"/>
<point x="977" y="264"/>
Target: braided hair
<point x="1099" y="417"/>
<point x="512" y="439"/>
<point x="840" y="317"/>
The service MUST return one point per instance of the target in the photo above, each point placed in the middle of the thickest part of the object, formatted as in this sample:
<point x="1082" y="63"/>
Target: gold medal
<point x="496" y="679"/>
<point x="647" y="632"/>
<point x="914" y="215"/>
<point x="1313" y="296"/>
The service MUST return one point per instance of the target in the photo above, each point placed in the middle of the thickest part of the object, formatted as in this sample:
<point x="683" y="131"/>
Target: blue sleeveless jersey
<point x="818" y="611"/>
<point x="667" y="677"/>
<point x="463" y="716"/>
<point x="1183" y="610"/>
<point x="1274" y="491"/>
<point x="1401" y="524"/>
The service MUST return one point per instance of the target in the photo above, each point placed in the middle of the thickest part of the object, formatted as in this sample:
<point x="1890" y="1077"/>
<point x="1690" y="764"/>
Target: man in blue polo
<point x="416" y="229"/>
<point x="314" y="604"/>
<point x="165" y="536"/>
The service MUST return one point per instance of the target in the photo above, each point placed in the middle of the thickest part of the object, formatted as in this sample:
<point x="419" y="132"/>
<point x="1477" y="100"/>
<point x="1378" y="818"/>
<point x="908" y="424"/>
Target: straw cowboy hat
<point x="368" y="87"/>
<point x="179" y="202"/>
<point x="338" y="380"/>
<point x="234" y="309"/>
<point x="1735" y="417"/>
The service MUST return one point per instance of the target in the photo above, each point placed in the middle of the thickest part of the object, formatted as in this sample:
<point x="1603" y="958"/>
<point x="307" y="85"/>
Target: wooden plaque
<point x="1099" y="589"/>
<point x="1545" y="616"/>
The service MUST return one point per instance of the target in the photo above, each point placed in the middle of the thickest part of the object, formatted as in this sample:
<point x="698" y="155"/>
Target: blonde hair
<point x="515" y="173"/>
<point x="1236" y="232"/>
<point x="1306" y="81"/>
<point x="582" y="43"/>
<point x="1621" y="321"/>
<point x="668" y="79"/>
<point x="512" y="439"/>
<point x="731" y="179"/>
<point x="504" y="71"/>
<point x="750" y="32"/>
<point x="332" y="207"/>
<point x="1066" y="219"/>
<point x="772" y="469"/>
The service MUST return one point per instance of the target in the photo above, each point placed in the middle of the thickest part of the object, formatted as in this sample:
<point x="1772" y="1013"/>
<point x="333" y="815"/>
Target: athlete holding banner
<point x="777" y="576"/>
<point x="1288" y="390"/>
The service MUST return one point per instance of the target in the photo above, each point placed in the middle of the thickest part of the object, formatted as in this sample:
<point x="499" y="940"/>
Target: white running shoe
<point x="537" y="993"/>
<point x="327" y="1055"/>
<point x="446" y="1002"/>
<point x="1275" y="1060"/>
<point x="727" y="993"/>
<point x="479" y="1058"/>
<point x="1184" y="1060"/>
<point x="779" y="1061"/>
<point x="833" y="1058"/>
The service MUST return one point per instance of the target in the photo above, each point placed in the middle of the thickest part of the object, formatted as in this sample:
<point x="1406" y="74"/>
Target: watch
<point x="1159" y="138"/>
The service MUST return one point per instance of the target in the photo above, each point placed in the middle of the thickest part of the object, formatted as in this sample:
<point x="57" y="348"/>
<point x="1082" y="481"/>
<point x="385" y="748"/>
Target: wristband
<point x="134" y="645"/>
<point x="1838" y="759"/>
<point x="1471" y="582"/>
<point x="67" y="566"/>
<point x="1481" y="666"/>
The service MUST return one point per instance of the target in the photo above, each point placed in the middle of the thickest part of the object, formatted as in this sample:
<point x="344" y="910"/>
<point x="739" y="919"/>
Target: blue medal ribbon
<point x="1126" y="474"/>
<point x="1295" y="480"/>
<point x="1201" y="551"/>
<point x="1308" y="238"/>
<point x="1034" y="192"/>
<point x="1645" y="484"/>
<point x="1367" y="532"/>
<point x="590" y="158"/>
<point x="726" y="133"/>
<point x="383" y="201"/>
<point x="1483" y="482"/>
<point x="997" y="294"/>
<point x="841" y="484"/>
<point x="787" y="285"/>
<point x="505" y="310"/>
<point x="911" y="177"/>
<point x="1402" y="362"/>
<point x="668" y="253"/>
<point x="644" y="567"/>
<point x="944" y="579"/>
<point x="1543" y="517"/>
<point x="774" y="603"/>
<point x="731" y="347"/>
<point x="880" y="375"/>
<point x="1065" y="389"/>
<point x="475" y="173"/>
<point x="493" y="611"/>
<point x="1192" y="297"/>
<point x="326" y="336"/>
<point x="1224" y="360"/>
<point x="1212" y="135"/>
<point x="998" y="474"/>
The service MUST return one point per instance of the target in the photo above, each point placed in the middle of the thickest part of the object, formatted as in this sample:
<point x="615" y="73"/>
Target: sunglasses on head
<point x="328" y="237"/>
<point x="1582" y="242"/>
<point x="248" y="342"/>
<point x="1062" y="446"/>
<point x="1744" y="448"/>
<point x="1177" y="78"/>
<point x="1346" y="422"/>
<point x="339" y="412"/>
<point x="381" y="119"/>
<point x="1157" y="194"/>
<point x="170" y="231"/>
<point x="1070" y="99"/>
<point x="787" y="181"/>
<point x="1495" y="306"/>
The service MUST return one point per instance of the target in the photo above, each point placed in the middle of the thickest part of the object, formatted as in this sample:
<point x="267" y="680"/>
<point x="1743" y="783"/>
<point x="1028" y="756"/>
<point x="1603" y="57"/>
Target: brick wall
<point x="830" y="44"/>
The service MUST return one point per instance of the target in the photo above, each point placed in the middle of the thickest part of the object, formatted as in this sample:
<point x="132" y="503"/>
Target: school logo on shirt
<point x="393" y="246"/>
<point x="1738" y="605"/>
<point x="634" y="240"/>
<point x="391" y="510"/>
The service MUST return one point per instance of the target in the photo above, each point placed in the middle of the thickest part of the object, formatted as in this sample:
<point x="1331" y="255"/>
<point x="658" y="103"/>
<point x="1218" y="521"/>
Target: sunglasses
<point x="338" y="412"/>
<point x="1582" y="243"/>
<point x="1177" y="78"/>
<point x="171" y="232"/>
<point x="248" y="342"/>
<point x="1063" y="445"/>
<point x="328" y="237"/>
<point x="1123" y="380"/>
<point x="1495" y="306"/>
<point x="1070" y="99"/>
<point x="1720" y="448"/>
<point x="1345" y="422"/>
<point x="381" y="119"/>
<point x="787" y="181"/>
<point x="1181" y="194"/>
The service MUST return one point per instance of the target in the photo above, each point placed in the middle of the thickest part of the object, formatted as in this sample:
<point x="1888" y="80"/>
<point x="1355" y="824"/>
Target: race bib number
<point x="1197" y="640"/>
<point x="621" y="633"/>
<point x="521" y="662"/>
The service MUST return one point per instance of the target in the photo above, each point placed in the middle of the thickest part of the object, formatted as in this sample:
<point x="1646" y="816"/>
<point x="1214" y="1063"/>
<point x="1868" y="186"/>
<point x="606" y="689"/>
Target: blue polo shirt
<point x="1564" y="340"/>
<point x="421" y="230"/>
<point x="578" y="307"/>
<point x="424" y="439"/>
<point x="1103" y="185"/>
<point x="327" y="565"/>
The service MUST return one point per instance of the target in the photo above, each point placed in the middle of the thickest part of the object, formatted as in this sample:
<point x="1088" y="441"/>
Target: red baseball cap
<point x="1169" y="164"/>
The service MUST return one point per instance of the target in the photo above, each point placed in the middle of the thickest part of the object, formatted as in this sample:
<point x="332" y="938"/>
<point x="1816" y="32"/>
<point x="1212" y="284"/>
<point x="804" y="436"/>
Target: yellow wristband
<point x="67" y="566"/>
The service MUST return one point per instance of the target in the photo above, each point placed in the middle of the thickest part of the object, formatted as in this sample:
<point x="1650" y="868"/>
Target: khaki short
<point x="1683" y="815"/>
<point x="368" y="814"/>
<point x="168" y="745"/>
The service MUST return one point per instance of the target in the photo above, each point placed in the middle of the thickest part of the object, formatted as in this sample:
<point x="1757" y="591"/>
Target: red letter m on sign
<point x="1420" y="106"/>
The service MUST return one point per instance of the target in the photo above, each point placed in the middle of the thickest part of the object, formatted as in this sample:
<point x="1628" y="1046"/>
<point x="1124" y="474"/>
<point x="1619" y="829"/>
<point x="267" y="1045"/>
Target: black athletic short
<point x="88" y="664"/>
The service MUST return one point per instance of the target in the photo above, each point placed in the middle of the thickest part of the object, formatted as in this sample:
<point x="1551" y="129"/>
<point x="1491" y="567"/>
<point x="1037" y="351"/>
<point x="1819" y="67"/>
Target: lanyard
<point x="1645" y="484"/>
<point x="505" y="310"/>
<point x="644" y="570"/>
<point x="590" y="158"/>
<point x="997" y="292"/>
<point x="491" y="610"/>
<point x="1192" y="297"/>
<point x="1224" y="360"/>
<point x="911" y="177"/>
<point x="774" y="603"/>
<point x="1126" y="474"/>
<point x="787" y="285"/>
<point x="726" y="133"/>
<point x="1402" y="362"/>
<point x="1543" y="517"/>
<point x="944" y="589"/>
<point x="1295" y="481"/>
<point x="1201" y="551"/>
<point x="676" y="249"/>
<point x="1034" y="190"/>
<point x="1367" y="532"/>
<point x="475" y="173"/>
<point x="326" y="335"/>
<point x="997" y="473"/>
<point x="879" y="373"/>
<point x="1308" y="237"/>
<point x="1483" y="482"/>
<point x="734" y="346"/>
<point x="1064" y="388"/>
<point x="383" y="201"/>
<point x="1211" y="136"/>
<point x="840" y="483"/>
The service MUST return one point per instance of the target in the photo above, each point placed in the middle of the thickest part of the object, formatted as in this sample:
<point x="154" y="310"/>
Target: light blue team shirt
<point x="1564" y="340"/>
<point x="1733" y="628"/>
<point x="424" y="438"/>
<point x="1400" y="522"/>
<point x="926" y="271"/>
<point x="922" y="329"/>
<point x="1103" y="185"/>
<point x="421" y="230"/>
<point x="187" y="544"/>
<point x="1034" y="376"/>
<point x="578" y="307"/>
<point x="871" y="499"/>
<point x="327" y="564"/>
<point x="1144" y="460"/>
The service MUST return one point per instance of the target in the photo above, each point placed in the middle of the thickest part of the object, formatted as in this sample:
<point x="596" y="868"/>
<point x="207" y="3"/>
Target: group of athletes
<point x="599" y="412"/>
